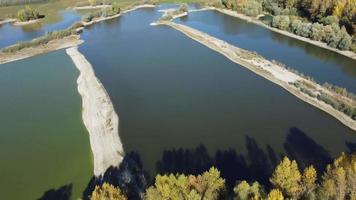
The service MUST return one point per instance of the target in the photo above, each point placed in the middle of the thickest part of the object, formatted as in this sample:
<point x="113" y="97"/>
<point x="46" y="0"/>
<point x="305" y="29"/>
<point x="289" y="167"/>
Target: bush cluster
<point x="114" y="9"/>
<point x="330" y="34"/>
<point x="27" y="14"/>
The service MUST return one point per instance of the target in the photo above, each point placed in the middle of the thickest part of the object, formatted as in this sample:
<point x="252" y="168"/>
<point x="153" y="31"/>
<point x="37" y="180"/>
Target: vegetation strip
<point x="52" y="45"/>
<point x="254" y="20"/>
<point x="275" y="73"/>
<point x="99" y="116"/>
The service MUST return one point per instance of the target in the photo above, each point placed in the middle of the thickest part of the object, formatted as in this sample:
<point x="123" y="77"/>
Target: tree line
<point x="288" y="182"/>
<point x="329" y="21"/>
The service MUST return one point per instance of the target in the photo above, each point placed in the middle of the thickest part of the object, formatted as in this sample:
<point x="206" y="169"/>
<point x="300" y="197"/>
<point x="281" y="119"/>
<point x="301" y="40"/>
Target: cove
<point x="10" y="34"/>
<point x="321" y="64"/>
<point x="172" y="93"/>
<point x="44" y="144"/>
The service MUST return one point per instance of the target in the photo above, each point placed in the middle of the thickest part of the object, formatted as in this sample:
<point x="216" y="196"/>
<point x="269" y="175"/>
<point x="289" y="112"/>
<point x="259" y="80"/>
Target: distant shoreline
<point x="266" y="69"/>
<point x="348" y="54"/>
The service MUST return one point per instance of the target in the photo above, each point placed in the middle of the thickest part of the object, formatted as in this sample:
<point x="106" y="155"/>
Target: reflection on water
<point x="171" y="92"/>
<point x="321" y="64"/>
<point x="10" y="34"/>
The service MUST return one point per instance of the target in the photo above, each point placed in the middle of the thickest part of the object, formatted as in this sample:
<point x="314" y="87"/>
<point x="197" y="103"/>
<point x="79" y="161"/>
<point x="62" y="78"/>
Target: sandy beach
<point x="266" y="69"/>
<point x="98" y="115"/>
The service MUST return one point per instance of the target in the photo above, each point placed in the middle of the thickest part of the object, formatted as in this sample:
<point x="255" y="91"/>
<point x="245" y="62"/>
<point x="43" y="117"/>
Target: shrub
<point x="281" y="22"/>
<point x="345" y="41"/>
<point x="305" y="30"/>
<point x="329" y="20"/>
<point x="251" y="8"/>
<point x="27" y="14"/>
<point x="295" y="25"/>
<point x="317" y="32"/>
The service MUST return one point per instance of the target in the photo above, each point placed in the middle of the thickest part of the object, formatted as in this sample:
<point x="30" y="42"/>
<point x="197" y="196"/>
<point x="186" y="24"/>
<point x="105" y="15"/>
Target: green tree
<point x="287" y="178"/>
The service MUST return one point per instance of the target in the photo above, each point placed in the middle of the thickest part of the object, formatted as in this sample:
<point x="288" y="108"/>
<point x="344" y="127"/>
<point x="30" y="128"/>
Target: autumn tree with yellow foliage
<point x="107" y="192"/>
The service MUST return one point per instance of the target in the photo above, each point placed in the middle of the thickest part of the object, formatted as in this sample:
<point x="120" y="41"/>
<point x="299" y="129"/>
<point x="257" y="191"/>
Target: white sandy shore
<point x="19" y="23"/>
<point x="254" y="20"/>
<point x="100" y="19"/>
<point x="7" y="21"/>
<point x="266" y="69"/>
<point x="99" y="116"/>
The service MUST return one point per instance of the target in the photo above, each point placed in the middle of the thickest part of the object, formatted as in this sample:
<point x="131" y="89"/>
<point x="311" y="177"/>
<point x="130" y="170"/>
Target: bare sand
<point x="19" y="23"/>
<point x="269" y="70"/>
<point x="53" y="45"/>
<point x="99" y="116"/>
<point x="7" y="21"/>
<point x="255" y="20"/>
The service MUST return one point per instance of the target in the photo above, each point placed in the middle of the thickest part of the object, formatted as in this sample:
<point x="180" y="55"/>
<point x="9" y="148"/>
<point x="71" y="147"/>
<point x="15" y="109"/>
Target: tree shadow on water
<point x="129" y="177"/>
<point x="254" y="166"/>
<point x="300" y="147"/>
<point x="62" y="193"/>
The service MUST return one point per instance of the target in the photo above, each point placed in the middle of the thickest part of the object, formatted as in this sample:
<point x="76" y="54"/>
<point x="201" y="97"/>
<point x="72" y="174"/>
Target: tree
<point x="287" y="178"/>
<point x="339" y="180"/>
<point x="317" y="32"/>
<point x="345" y="41"/>
<point x="107" y="192"/>
<point x="245" y="191"/>
<point x="209" y="186"/>
<point x="275" y="194"/>
<point x="281" y="22"/>
<point x="309" y="178"/>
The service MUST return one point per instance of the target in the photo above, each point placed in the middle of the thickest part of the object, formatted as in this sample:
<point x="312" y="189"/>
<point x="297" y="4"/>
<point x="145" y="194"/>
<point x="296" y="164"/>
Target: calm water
<point x="171" y="92"/>
<point x="321" y="64"/>
<point x="43" y="142"/>
<point x="10" y="34"/>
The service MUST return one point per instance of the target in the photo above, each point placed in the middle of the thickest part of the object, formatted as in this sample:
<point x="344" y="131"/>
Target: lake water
<point x="43" y="142"/>
<point x="10" y="34"/>
<point x="171" y="92"/>
<point x="321" y="64"/>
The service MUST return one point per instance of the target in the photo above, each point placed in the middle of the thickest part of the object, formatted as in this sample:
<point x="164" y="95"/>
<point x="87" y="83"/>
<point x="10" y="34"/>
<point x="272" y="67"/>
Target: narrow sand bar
<point x="269" y="70"/>
<point x="99" y="116"/>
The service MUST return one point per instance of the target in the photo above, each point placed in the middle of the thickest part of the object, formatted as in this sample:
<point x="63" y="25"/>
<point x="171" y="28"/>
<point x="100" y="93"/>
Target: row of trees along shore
<point x="338" y="182"/>
<point x="329" y="21"/>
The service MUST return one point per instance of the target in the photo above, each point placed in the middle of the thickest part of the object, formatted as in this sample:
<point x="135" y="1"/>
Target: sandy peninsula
<point x="53" y="45"/>
<point x="267" y="69"/>
<point x="99" y="116"/>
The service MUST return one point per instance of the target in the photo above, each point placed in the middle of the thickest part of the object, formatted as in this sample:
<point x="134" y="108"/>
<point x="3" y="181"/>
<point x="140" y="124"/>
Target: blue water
<point x="10" y="34"/>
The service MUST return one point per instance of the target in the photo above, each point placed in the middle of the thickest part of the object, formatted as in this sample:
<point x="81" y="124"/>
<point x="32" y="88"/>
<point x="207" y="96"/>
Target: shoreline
<point x="19" y="23"/>
<point x="265" y="69"/>
<point x="253" y="20"/>
<point x="53" y="45"/>
<point x="89" y="7"/>
<point x="100" y="19"/>
<point x="99" y="116"/>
